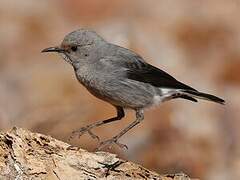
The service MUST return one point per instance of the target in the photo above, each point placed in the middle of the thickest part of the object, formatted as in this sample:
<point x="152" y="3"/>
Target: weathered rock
<point x="27" y="155"/>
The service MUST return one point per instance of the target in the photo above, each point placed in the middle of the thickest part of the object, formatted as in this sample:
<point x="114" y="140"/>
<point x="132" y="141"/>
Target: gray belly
<point x="118" y="91"/>
<point x="127" y="93"/>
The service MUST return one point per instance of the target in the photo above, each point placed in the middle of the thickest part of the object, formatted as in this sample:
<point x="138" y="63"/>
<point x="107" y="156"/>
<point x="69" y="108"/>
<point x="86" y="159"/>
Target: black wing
<point x="149" y="74"/>
<point x="139" y="70"/>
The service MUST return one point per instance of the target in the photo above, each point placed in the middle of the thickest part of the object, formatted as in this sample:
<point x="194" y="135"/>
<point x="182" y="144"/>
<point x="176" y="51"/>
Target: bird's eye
<point x="74" y="48"/>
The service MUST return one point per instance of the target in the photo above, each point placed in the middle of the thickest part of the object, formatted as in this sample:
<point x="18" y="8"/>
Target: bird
<point x="120" y="77"/>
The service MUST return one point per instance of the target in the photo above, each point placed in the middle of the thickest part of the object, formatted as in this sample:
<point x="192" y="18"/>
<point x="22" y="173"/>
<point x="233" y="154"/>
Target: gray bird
<point x="120" y="77"/>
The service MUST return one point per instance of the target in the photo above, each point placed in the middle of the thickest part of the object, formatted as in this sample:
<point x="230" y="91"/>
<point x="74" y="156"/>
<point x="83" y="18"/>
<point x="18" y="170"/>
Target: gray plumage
<point x="120" y="77"/>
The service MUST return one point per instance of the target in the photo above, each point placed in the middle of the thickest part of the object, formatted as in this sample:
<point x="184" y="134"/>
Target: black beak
<point x="53" y="49"/>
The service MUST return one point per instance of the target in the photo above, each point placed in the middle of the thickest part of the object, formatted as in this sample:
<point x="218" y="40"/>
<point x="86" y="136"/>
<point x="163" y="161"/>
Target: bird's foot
<point x="82" y="131"/>
<point x="109" y="143"/>
<point x="111" y="167"/>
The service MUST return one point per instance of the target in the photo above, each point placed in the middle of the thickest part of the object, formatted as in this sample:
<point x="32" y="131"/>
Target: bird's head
<point x="77" y="46"/>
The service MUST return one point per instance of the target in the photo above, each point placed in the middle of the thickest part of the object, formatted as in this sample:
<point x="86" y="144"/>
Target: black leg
<point x="87" y="129"/>
<point x="114" y="140"/>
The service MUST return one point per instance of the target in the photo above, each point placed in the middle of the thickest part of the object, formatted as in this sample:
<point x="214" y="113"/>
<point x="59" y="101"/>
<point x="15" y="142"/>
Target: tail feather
<point x="184" y="96"/>
<point x="204" y="96"/>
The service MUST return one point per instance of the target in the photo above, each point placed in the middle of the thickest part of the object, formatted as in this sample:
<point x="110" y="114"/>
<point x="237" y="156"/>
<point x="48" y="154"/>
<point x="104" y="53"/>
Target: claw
<point x="94" y="136"/>
<point x="108" y="143"/>
<point x="82" y="131"/>
<point x="122" y="146"/>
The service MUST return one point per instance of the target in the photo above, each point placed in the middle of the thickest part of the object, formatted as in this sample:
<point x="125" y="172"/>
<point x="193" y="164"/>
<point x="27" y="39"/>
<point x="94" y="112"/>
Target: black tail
<point x="204" y="96"/>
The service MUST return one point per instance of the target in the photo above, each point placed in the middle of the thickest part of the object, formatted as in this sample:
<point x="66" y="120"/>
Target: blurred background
<point x="196" y="41"/>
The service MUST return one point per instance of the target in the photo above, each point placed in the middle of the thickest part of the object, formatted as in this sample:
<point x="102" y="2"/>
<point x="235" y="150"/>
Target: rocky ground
<point x="26" y="155"/>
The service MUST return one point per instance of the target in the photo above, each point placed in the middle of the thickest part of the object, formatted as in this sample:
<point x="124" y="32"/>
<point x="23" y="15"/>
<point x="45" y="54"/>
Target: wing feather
<point x="137" y="69"/>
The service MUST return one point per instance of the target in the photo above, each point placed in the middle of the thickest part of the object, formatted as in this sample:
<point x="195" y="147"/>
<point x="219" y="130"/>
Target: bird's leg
<point x="114" y="140"/>
<point x="87" y="129"/>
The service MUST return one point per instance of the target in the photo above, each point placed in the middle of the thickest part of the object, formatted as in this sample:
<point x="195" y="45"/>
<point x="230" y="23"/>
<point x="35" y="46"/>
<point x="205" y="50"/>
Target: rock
<point x="27" y="155"/>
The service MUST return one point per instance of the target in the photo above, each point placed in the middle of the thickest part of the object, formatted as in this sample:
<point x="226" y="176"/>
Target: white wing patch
<point x="165" y="93"/>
